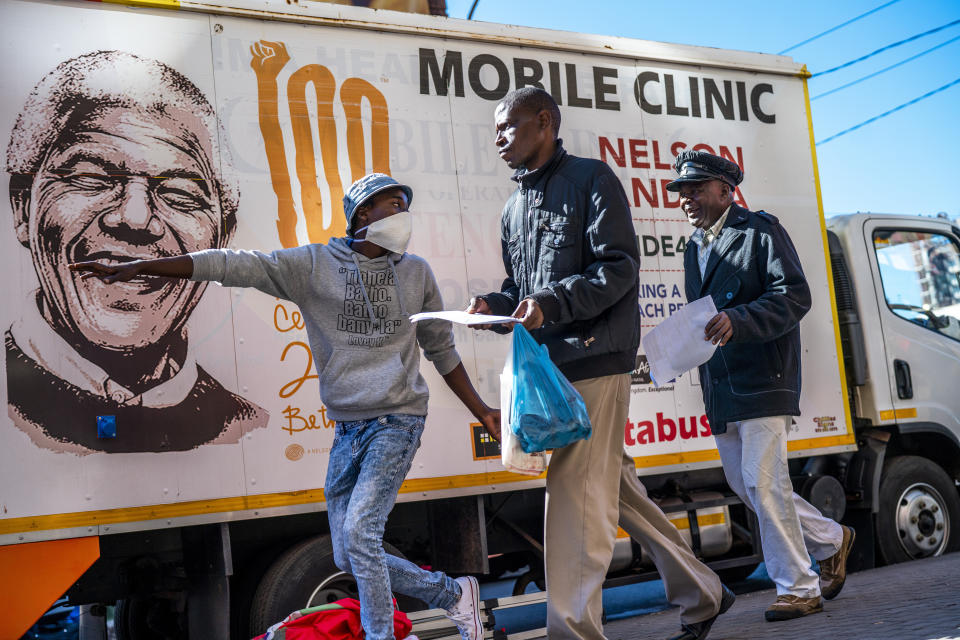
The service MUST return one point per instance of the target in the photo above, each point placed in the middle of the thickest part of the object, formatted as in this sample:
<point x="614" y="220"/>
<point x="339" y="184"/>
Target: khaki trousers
<point x="591" y="484"/>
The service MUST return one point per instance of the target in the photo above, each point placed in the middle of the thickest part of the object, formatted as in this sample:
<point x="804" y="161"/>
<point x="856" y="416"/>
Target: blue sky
<point x="907" y="162"/>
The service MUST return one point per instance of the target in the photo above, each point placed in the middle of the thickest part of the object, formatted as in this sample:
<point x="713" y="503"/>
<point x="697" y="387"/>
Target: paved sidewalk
<point x="918" y="600"/>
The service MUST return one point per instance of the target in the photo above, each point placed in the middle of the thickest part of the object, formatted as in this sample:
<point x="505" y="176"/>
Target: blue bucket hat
<point x="367" y="187"/>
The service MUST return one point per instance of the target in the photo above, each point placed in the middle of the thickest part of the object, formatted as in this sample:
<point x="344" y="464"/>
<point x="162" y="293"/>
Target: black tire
<point x="917" y="499"/>
<point x="148" y="618"/>
<point x="305" y="576"/>
<point x="248" y="573"/>
<point x="530" y="577"/>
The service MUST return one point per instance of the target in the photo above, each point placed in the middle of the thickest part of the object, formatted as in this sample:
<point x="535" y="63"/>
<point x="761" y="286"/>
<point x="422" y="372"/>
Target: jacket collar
<point x="528" y="178"/>
<point x="736" y="218"/>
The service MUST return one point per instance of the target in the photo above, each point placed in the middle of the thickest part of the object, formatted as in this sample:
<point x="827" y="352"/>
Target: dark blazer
<point x="754" y="275"/>
<point x="568" y="242"/>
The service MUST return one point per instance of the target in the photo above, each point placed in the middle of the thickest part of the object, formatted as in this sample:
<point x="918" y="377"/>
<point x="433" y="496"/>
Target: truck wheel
<point x="919" y="511"/>
<point x="304" y="576"/>
<point x="530" y="577"/>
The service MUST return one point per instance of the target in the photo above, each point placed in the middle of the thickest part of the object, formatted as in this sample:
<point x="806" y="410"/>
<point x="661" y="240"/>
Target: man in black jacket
<point x="751" y="386"/>
<point x="571" y="258"/>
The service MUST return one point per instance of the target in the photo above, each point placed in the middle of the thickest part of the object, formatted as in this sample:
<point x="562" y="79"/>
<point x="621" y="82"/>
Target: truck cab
<point x="897" y="287"/>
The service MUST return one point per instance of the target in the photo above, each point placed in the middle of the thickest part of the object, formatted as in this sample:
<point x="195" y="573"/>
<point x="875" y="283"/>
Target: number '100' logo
<point x="268" y="60"/>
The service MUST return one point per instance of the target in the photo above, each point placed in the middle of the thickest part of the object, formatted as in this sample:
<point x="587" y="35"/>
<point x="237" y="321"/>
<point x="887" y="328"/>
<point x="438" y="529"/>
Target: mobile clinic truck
<point x="164" y="444"/>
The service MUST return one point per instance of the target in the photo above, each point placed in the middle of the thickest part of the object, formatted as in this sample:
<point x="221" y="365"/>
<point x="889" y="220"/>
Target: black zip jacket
<point x="568" y="242"/>
<point x="754" y="274"/>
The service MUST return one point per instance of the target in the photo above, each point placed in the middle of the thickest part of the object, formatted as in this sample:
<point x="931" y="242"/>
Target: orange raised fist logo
<point x="268" y="59"/>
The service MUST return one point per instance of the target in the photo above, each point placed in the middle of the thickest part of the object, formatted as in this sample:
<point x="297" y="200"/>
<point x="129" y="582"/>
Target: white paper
<point x="676" y="345"/>
<point x="462" y="317"/>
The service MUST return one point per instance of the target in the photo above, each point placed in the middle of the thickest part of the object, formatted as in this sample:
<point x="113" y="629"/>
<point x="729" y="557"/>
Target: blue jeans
<point x="368" y="463"/>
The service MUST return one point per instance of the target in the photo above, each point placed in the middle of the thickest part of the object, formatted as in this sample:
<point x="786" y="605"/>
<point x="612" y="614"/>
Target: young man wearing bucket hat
<point x="751" y="386"/>
<point x="356" y="295"/>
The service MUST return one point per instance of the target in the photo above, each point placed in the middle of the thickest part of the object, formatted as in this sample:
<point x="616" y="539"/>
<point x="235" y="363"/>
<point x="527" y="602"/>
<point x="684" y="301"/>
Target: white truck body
<point x="443" y="147"/>
<point x="308" y="97"/>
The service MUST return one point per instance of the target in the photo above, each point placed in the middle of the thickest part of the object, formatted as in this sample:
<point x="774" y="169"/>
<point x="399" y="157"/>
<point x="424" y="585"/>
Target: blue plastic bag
<point x="547" y="412"/>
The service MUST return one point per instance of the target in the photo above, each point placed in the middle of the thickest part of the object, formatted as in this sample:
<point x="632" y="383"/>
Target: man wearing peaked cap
<point x="699" y="166"/>
<point x="751" y="386"/>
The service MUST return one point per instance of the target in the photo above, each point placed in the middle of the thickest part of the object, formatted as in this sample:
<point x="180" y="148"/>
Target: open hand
<point x="719" y="329"/>
<point x="109" y="273"/>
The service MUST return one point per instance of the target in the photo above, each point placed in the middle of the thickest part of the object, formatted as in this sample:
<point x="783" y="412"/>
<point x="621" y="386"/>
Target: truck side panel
<point x="160" y="405"/>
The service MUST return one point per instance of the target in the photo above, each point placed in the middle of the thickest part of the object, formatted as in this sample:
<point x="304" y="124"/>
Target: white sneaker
<point x="466" y="613"/>
<point x="411" y="637"/>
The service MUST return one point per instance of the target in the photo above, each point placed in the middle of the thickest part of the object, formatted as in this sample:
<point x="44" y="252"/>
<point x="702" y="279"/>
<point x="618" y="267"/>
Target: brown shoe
<point x="789" y="607"/>
<point x="833" y="570"/>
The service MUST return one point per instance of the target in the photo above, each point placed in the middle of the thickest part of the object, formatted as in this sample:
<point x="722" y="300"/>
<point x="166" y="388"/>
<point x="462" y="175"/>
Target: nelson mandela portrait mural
<point x="117" y="155"/>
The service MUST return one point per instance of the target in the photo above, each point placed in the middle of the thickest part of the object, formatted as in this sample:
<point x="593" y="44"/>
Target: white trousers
<point x="754" y="457"/>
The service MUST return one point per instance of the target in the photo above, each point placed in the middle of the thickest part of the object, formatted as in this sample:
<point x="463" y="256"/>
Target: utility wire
<point x="889" y="46"/>
<point x="473" y="8"/>
<point x="884" y="70"/>
<point x="839" y="26"/>
<point x="886" y="113"/>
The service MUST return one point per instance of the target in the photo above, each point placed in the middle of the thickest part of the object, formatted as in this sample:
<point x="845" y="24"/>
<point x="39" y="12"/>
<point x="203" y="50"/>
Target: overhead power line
<point x="886" y="113"/>
<point x="885" y="69"/>
<point x="839" y="26"/>
<point x="889" y="46"/>
<point x="473" y="8"/>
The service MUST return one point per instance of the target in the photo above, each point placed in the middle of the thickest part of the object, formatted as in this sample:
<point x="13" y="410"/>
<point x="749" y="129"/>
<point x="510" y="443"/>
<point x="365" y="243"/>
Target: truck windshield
<point x="920" y="272"/>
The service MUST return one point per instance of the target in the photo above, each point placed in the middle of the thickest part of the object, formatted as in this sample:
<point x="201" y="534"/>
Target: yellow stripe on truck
<point x="153" y="4"/>
<point x="681" y="457"/>
<point x="706" y="455"/>
<point x="825" y="441"/>
<point x="272" y="500"/>
<point x="239" y="503"/>
<point x="684" y="523"/>
<point x="838" y="352"/>
<point x="702" y="521"/>
<point x="898" y="414"/>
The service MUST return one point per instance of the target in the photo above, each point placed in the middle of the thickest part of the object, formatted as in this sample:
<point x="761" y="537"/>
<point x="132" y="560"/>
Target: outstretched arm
<point x="277" y="274"/>
<point x="175" y="267"/>
<point x="459" y="383"/>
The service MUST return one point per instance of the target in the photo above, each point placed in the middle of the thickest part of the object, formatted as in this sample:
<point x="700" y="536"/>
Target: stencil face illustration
<point x="114" y="157"/>
<point x="121" y="184"/>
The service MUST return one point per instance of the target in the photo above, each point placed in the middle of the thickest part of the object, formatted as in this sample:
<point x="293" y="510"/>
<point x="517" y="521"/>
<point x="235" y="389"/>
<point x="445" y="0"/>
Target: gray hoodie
<point x="367" y="368"/>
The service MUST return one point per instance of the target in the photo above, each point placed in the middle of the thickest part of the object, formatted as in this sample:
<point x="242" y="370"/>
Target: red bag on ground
<point x="337" y="621"/>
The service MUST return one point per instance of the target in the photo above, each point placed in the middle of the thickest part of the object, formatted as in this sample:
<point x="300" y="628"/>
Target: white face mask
<point x="392" y="233"/>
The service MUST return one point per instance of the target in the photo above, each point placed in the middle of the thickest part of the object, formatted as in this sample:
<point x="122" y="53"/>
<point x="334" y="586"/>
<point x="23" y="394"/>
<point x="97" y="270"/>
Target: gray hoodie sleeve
<point x="436" y="336"/>
<point x="279" y="274"/>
